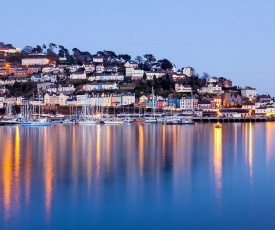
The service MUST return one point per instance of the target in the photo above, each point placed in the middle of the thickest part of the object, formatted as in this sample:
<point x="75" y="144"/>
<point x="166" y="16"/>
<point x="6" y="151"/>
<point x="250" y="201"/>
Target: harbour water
<point x="138" y="176"/>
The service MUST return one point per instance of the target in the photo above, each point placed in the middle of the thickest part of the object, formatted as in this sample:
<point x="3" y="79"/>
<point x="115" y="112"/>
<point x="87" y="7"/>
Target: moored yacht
<point x="36" y="122"/>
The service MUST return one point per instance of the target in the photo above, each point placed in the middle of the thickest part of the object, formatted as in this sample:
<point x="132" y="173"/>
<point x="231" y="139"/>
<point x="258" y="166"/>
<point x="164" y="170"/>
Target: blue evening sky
<point x="230" y="38"/>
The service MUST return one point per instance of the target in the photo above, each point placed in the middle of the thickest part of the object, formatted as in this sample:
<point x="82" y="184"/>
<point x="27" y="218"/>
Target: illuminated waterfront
<point x="141" y="176"/>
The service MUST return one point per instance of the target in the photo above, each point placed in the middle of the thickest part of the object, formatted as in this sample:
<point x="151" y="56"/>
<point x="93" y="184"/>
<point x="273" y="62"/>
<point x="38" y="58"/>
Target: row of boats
<point x="93" y="120"/>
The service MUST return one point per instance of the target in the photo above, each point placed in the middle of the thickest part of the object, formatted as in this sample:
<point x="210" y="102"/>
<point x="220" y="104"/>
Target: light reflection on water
<point x="138" y="176"/>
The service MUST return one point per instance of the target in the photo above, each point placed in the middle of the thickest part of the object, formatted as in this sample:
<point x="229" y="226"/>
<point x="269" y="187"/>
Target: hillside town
<point x="56" y="80"/>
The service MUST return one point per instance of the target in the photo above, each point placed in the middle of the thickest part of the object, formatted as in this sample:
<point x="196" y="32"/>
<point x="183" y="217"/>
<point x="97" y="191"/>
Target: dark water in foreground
<point x="138" y="177"/>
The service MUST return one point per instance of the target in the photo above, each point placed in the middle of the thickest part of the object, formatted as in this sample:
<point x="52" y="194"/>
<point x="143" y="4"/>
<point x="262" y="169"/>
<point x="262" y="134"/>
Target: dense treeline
<point x="55" y="52"/>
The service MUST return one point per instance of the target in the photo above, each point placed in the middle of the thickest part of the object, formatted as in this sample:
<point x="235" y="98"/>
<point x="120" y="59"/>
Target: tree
<point x="125" y="57"/>
<point x="50" y="50"/>
<point x="44" y="47"/>
<point x="79" y="62"/>
<point x="165" y="64"/>
<point x="139" y="59"/>
<point x="63" y="52"/>
<point x="150" y="60"/>
<point x="110" y="56"/>
<point x="76" y="51"/>
<point x="27" y="49"/>
<point x="37" y="49"/>
<point x="2" y="44"/>
<point x="144" y="76"/>
<point x="137" y="93"/>
<point x="10" y="46"/>
<point x="205" y="75"/>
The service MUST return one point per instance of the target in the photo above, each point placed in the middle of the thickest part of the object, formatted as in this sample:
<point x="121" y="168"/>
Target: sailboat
<point x="9" y="118"/>
<point x="86" y="119"/>
<point x="35" y="121"/>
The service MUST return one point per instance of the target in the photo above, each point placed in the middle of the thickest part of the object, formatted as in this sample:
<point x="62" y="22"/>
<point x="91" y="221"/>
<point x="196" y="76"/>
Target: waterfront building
<point x="82" y="99"/>
<point x="55" y="99"/>
<point x="237" y="113"/>
<point x="206" y="105"/>
<point x="127" y="98"/>
<point x="116" y="100"/>
<point x="231" y="99"/>
<point x="249" y="105"/>
<point x="267" y="110"/>
<point x="249" y="92"/>
<point x="173" y="103"/>
<point x="188" y="103"/>
<point x="218" y="101"/>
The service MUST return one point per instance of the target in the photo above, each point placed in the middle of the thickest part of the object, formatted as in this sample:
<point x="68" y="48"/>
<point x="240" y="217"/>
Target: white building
<point x="150" y="75"/>
<point x="100" y="86"/>
<point x="128" y="98"/>
<point x="55" y="99"/>
<point x="35" y="61"/>
<point x="135" y="74"/>
<point x="188" y="103"/>
<point x="188" y="71"/>
<point x="109" y="77"/>
<point x="78" y="75"/>
<point x="99" y="68"/>
<point x="211" y="89"/>
<point x="98" y="59"/>
<point x="131" y="64"/>
<point x="249" y="92"/>
<point x="249" y="105"/>
<point x="183" y="88"/>
<point x="68" y="88"/>
<point x="265" y="110"/>
<point x="212" y="80"/>
<point x="74" y="68"/>
<point x="89" y="68"/>
<point x="10" y="50"/>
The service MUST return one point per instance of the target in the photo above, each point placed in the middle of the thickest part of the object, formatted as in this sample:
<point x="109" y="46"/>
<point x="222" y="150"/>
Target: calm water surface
<point x="138" y="177"/>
